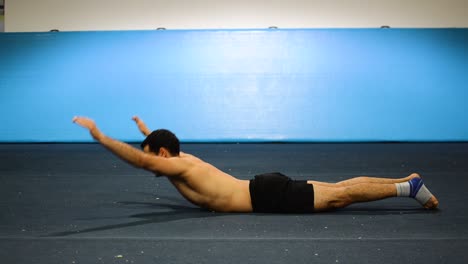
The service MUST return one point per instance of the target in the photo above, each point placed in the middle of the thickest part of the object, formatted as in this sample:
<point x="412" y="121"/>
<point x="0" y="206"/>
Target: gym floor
<point x="77" y="203"/>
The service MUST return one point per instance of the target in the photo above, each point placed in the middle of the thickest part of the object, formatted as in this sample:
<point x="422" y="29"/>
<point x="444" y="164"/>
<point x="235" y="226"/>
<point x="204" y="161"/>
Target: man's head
<point x="162" y="142"/>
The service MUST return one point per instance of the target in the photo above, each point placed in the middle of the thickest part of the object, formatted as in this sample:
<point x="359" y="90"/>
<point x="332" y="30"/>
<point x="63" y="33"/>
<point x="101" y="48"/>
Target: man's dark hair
<point x="162" y="138"/>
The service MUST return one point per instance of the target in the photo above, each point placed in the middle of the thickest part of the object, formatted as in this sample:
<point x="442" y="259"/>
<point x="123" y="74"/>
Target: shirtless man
<point x="208" y="187"/>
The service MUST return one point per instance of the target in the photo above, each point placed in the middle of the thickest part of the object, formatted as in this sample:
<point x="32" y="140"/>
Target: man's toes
<point x="432" y="203"/>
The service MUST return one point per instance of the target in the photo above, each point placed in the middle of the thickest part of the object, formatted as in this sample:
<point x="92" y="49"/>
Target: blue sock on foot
<point x="414" y="188"/>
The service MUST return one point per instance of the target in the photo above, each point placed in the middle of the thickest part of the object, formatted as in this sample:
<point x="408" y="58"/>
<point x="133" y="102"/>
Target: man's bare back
<point x="208" y="187"/>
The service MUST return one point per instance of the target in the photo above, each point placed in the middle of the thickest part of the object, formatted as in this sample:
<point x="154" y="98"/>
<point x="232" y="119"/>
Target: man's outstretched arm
<point x="128" y="153"/>
<point x="141" y="126"/>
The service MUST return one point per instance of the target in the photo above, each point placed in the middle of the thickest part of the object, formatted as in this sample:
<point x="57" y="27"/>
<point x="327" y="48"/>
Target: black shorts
<point x="277" y="193"/>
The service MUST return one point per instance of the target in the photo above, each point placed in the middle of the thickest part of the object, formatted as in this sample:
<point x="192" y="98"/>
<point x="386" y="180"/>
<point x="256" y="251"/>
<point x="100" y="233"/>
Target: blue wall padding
<point x="238" y="85"/>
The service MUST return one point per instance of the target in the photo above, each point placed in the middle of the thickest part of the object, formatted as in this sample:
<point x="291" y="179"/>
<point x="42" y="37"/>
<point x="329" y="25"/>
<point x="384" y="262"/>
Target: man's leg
<point x="365" y="179"/>
<point x="328" y="197"/>
<point x="334" y="197"/>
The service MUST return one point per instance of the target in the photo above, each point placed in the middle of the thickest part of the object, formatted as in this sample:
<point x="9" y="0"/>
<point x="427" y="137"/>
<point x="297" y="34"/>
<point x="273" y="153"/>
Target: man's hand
<point x="141" y="125"/>
<point x="88" y="124"/>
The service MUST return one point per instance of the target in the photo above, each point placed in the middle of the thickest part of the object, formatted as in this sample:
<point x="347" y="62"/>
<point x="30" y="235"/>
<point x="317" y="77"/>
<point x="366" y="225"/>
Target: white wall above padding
<point x="89" y="15"/>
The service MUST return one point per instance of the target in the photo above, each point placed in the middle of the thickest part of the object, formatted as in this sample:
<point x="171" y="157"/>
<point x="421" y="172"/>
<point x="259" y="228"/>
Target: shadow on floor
<point x="181" y="212"/>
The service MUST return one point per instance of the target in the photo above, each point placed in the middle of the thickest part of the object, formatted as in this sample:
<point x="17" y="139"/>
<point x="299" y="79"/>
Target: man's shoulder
<point x="189" y="157"/>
